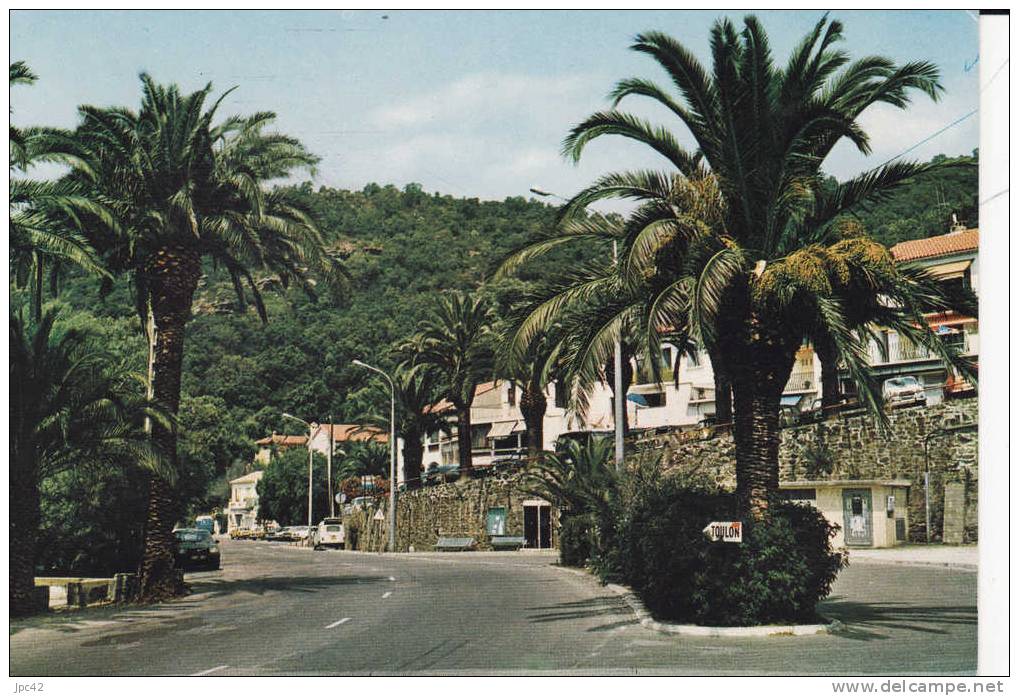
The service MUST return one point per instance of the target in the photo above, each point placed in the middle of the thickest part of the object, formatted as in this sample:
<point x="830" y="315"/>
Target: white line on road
<point x="334" y="624"/>
<point x="209" y="671"/>
<point x="386" y="595"/>
<point x="392" y="579"/>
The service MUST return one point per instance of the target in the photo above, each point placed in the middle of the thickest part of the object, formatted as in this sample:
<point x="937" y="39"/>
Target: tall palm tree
<point x="70" y="405"/>
<point x="45" y="216"/>
<point x="417" y="391"/>
<point x="454" y="342"/>
<point x="185" y="189"/>
<point x="771" y="273"/>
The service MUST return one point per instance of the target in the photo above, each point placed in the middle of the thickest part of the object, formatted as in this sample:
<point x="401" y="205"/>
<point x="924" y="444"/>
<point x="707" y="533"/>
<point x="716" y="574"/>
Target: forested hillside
<point x="400" y="247"/>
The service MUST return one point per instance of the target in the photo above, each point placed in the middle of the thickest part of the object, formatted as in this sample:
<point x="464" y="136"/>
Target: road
<point x="281" y="610"/>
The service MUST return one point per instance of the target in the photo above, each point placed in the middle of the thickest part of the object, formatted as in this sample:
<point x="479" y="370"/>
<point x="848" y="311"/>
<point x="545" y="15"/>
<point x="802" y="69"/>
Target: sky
<point x="471" y="104"/>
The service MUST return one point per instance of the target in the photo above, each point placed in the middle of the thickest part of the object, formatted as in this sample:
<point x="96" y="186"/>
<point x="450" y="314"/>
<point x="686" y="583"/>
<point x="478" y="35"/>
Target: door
<point x="538" y="526"/>
<point x="858" y="514"/>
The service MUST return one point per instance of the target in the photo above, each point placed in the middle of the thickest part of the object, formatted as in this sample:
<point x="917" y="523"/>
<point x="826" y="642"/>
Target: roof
<point x="253" y="477"/>
<point x="283" y="440"/>
<point x="942" y="245"/>
<point x="352" y="432"/>
<point x="447" y="405"/>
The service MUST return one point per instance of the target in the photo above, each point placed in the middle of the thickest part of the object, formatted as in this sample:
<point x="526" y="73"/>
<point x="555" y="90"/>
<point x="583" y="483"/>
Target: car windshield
<point x="903" y="382"/>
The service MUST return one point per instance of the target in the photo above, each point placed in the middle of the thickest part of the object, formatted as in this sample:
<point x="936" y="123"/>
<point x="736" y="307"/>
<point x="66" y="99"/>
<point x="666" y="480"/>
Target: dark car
<point x="195" y="548"/>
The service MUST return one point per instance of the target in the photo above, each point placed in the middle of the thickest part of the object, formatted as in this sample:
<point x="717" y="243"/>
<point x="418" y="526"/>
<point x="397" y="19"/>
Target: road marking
<point x="209" y="671"/>
<point x="386" y="595"/>
<point x="392" y="579"/>
<point x="334" y="624"/>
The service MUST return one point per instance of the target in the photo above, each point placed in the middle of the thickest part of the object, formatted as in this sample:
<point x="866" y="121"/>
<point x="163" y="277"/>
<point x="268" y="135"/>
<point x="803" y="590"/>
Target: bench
<point x="512" y="543"/>
<point x="455" y="544"/>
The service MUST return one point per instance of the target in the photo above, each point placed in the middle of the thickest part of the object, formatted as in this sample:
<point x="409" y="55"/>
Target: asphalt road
<point x="282" y="610"/>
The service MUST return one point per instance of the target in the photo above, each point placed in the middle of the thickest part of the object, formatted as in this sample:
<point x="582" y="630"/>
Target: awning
<point x="950" y="270"/>
<point x="502" y="429"/>
<point x="791" y="400"/>
<point x="519" y="427"/>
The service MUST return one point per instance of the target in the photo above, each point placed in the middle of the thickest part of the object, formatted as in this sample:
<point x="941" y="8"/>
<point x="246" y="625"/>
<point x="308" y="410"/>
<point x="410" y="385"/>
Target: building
<point x="276" y="442"/>
<point x="951" y="258"/>
<point x="242" y="508"/>
<point x="342" y="433"/>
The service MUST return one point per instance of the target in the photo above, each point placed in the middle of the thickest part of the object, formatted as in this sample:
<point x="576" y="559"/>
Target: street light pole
<point x="299" y="420"/>
<point x="329" y="468"/>
<point x="619" y="400"/>
<point x="392" y="452"/>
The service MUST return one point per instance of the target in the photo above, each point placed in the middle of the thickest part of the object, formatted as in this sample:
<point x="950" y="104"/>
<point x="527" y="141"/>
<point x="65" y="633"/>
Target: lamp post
<point x="617" y="358"/>
<point x="392" y="451"/>
<point x="306" y="423"/>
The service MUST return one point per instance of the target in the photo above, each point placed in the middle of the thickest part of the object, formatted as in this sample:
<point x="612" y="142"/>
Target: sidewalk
<point x="962" y="557"/>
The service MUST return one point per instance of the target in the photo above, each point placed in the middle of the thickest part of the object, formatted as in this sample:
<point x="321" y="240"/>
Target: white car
<point x="903" y="391"/>
<point x="330" y="532"/>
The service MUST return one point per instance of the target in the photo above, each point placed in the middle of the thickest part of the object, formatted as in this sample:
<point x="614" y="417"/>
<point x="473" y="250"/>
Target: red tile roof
<point x="283" y="440"/>
<point x="942" y="245"/>
<point x="352" y="432"/>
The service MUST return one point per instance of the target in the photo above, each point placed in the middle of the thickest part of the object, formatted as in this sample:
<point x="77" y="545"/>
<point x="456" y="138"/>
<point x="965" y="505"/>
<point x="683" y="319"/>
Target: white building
<point x="242" y="509"/>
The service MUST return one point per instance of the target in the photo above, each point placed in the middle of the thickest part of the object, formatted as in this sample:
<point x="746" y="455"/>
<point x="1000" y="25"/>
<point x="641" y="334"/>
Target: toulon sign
<point x="731" y="532"/>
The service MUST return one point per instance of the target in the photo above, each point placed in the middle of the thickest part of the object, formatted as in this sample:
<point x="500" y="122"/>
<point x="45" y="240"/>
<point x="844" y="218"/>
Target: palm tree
<point x="45" y="216"/>
<point x="70" y="405"/>
<point x="184" y="190"/>
<point x="417" y="392"/>
<point x="770" y="272"/>
<point x="454" y="343"/>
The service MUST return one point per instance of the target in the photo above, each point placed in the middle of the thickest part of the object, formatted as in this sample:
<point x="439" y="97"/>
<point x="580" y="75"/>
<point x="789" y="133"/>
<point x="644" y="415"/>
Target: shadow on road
<point x="864" y="620"/>
<point x="596" y="607"/>
<point x="202" y="589"/>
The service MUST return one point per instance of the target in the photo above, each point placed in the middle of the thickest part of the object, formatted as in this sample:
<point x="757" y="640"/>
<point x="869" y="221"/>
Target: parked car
<point x="281" y="534"/>
<point x="195" y="548"/>
<point x="903" y="391"/>
<point x="302" y="532"/>
<point x="330" y="532"/>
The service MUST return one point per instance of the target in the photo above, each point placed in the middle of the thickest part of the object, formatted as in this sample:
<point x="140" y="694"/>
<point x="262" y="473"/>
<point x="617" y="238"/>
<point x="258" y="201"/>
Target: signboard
<point x="379" y="515"/>
<point x="341" y="498"/>
<point x="730" y="532"/>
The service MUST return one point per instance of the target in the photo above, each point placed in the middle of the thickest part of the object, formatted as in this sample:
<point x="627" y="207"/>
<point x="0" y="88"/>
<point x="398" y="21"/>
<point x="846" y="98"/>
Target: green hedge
<point x="778" y="574"/>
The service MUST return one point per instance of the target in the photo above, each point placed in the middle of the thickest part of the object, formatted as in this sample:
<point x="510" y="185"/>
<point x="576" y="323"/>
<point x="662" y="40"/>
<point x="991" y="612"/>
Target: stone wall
<point x="460" y="509"/>
<point x="855" y="448"/>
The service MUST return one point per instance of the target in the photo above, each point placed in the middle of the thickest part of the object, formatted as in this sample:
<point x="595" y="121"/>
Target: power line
<point x="929" y="137"/>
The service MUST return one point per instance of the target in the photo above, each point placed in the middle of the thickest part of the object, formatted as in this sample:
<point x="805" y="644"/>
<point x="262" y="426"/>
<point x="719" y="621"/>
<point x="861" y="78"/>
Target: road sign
<point x="731" y="532"/>
<point x="341" y="498"/>
<point x="379" y="515"/>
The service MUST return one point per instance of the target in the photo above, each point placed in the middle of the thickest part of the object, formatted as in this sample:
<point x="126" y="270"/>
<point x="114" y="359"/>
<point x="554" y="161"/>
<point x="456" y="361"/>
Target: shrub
<point x="575" y="540"/>
<point x="777" y="575"/>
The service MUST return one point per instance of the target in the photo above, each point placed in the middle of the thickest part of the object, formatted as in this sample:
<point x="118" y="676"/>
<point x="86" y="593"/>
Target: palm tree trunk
<point x="413" y="455"/>
<point x="173" y="275"/>
<point x="533" y="406"/>
<point x="723" y="389"/>
<point x="831" y="391"/>
<point x="24" y="529"/>
<point x="759" y="376"/>
<point x="37" y="290"/>
<point x="463" y="439"/>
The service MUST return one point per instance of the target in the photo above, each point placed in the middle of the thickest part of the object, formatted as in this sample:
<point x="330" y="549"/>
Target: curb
<point x="970" y="567"/>
<point x="649" y="622"/>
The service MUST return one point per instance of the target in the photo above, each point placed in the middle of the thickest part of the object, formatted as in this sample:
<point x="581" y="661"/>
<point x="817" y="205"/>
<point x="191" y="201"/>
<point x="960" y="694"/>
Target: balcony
<point x="901" y="350"/>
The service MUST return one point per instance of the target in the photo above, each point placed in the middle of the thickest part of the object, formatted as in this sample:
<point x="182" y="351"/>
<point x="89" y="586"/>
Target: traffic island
<point x="645" y="619"/>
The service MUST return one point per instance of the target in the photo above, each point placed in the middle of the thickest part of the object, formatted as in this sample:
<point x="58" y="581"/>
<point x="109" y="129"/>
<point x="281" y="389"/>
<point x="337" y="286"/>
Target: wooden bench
<point x="512" y="543"/>
<point x="455" y="544"/>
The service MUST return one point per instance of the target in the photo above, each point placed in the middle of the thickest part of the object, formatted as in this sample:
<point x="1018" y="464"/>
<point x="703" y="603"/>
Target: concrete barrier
<point x="81" y="592"/>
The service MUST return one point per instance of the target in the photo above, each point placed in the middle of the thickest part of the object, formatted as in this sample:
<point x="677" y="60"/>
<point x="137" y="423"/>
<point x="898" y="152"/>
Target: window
<point x="667" y="357"/>
<point x="479" y="435"/>
<point x="694" y="358"/>
<point x="654" y="399"/>
<point x="495" y="521"/>
<point x="560" y="394"/>
<point x="511" y="394"/>
<point x="799" y="494"/>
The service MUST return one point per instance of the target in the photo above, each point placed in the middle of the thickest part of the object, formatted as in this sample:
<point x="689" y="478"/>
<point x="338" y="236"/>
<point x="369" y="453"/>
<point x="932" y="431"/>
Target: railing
<point x="904" y="351"/>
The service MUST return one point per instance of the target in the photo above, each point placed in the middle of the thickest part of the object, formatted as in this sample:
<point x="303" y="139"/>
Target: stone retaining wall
<point x="460" y="510"/>
<point x="854" y="448"/>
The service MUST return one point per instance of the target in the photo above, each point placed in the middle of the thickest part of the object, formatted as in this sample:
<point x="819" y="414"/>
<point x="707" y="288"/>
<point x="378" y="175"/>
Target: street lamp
<point x="392" y="451"/>
<point x="300" y="420"/>
<point x="617" y="358"/>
